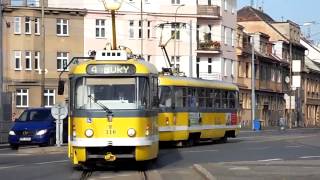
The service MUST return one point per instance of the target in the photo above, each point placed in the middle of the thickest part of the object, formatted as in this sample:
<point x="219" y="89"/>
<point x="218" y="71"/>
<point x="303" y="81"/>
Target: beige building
<point x="23" y="52"/>
<point x="287" y="48"/>
<point x="269" y="79"/>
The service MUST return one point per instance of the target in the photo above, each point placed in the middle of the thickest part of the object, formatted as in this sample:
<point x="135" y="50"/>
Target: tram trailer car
<point x="113" y="109"/>
<point x="194" y="109"/>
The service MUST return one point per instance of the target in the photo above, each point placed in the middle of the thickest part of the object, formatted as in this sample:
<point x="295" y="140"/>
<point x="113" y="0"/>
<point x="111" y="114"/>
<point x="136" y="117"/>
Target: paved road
<point x="293" y="154"/>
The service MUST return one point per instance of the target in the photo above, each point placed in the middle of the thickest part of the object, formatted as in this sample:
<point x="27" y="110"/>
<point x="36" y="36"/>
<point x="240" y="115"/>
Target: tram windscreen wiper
<point x="100" y="104"/>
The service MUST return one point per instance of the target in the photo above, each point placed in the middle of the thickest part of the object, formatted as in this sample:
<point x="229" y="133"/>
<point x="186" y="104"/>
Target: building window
<point x="37" y="60"/>
<point x="131" y="29"/>
<point x="17" y="25"/>
<point x="100" y="28"/>
<point x="248" y="69"/>
<point x="49" y="97"/>
<point x="232" y="37"/>
<point x="225" y="30"/>
<point x="232" y="68"/>
<point x="279" y="76"/>
<point x="140" y="29"/>
<point x="28" y="60"/>
<point x="209" y="65"/>
<point x="27" y="27"/>
<point x="198" y="67"/>
<point x="149" y="30"/>
<point x="149" y="58"/>
<point x="37" y="26"/>
<point x="62" y="60"/>
<point x="175" y="1"/>
<point x="17" y="60"/>
<point x="233" y="6"/>
<point x="175" y="28"/>
<point x="225" y="5"/>
<point x="225" y="67"/>
<point x="62" y="27"/>
<point x="22" y="98"/>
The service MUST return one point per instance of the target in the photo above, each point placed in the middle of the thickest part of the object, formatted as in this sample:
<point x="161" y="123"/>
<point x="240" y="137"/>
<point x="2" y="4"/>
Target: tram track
<point x="85" y="175"/>
<point x="143" y="175"/>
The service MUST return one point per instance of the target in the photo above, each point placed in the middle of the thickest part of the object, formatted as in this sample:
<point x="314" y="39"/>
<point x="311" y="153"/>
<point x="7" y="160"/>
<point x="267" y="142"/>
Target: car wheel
<point x="14" y="147"/>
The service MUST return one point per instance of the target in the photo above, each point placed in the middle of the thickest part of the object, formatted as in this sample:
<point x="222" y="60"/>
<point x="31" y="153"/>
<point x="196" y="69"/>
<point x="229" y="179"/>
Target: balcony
<point x="206" y="10"/>
<point x="209" y="46"/>
<point x="210" y="76"/>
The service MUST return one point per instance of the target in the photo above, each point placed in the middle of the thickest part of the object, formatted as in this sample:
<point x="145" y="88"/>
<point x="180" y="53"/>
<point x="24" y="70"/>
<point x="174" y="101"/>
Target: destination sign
<point x="111" y="69"/>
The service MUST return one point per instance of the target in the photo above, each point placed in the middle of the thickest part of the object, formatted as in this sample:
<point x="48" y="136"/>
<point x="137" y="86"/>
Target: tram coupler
<point x="110" y="157"/>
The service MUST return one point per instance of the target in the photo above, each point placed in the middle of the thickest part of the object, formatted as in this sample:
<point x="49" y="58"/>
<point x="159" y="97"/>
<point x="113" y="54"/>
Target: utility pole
<point x="43" y="60"/>
<point x="141" y="19"/>
<point x="290" y="88"/>
<point x="1" y="61"/>
<point x="175" y="35"/>
<point x="190" y="51"/>
<point x="253" y="99"/>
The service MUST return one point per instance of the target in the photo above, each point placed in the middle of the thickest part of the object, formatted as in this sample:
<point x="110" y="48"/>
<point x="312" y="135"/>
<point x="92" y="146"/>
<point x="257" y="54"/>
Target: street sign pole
<point x="59" y="112"/>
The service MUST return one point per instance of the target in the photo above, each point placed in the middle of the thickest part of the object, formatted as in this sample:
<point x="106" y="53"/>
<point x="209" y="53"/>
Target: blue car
<point x="34" y="126"/>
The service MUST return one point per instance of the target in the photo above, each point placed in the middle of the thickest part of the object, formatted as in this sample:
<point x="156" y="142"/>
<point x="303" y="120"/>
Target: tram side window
<point x="180" y="94"/>
<point x="209" y="98"/>
<point x="192" y="99"/>
<point x="165" y="96"/>
<point x="201" y="97"/>
<point x="154" y="91"/>
<point x="224" y="98"/>
<point x="217" y="99"/>
<point x="143" y="92"/>
<point x="232" y="99"/>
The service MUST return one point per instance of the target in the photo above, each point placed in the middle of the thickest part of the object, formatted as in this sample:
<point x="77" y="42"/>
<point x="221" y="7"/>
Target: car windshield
<point x="35" y="115"/>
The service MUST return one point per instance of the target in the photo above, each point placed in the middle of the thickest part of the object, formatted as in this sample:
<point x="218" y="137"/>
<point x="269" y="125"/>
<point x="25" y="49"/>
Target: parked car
<point x="35" y="126"/>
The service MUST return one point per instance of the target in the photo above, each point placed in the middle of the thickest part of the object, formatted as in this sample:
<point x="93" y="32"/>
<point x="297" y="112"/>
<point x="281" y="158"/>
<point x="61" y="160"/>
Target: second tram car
<point x="194" y="109"/>
<point x="113" y="109"/>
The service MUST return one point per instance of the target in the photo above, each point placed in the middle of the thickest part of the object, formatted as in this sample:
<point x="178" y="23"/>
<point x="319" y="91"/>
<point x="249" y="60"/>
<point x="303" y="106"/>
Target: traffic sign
<point x="59" y="111"/>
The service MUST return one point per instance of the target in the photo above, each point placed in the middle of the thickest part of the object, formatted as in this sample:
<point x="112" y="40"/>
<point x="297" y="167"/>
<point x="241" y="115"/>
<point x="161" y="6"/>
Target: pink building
<point x="205" y="39"/>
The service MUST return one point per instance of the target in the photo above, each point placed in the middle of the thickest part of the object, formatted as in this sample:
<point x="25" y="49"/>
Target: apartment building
<point x="269" y="76"/>
<point x="23" y="46"/>
<point x="204" y="45"/>
<point x="286" y="38"/>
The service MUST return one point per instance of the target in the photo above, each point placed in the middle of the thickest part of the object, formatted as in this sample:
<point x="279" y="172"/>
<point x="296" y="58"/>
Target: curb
<point x="44" y="150"/>
<point x="4" y="146"/>
<point x="203" y="172"/>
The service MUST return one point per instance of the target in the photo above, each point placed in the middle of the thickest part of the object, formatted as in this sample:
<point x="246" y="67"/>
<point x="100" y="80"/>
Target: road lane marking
<point x="199" y="151"/>
<point x="298" y="146"/>
<point x="8" y="167"/>
<point x="204" y="172"/>
<point x="240" y="168"/>
<point x="267" y="160"/>
<point x="309" y="157"/>
<point x="51" y="162"/>
<point x="260" y="148"/>
<point x="14" y="154"/>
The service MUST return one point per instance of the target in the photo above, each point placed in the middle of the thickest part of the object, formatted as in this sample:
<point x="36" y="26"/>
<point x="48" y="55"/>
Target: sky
<point x="298" y="11"/>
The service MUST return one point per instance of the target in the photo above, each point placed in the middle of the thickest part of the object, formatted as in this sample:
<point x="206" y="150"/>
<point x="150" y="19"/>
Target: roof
<point x="195" y="82"/>
<point x="249" y="13"/>
<point x="312" y="65"/>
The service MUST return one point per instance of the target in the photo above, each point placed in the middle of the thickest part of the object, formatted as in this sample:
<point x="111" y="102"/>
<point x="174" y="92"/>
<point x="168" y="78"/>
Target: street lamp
<point x="175" y="34"/>
<point x="113" y="5"/>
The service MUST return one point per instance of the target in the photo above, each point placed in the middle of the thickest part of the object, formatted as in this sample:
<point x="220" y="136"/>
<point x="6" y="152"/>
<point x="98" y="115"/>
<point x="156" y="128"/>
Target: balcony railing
<point x="209" y="45"/>
<point x="206" y="10"/>
<point x="210" y="76"/>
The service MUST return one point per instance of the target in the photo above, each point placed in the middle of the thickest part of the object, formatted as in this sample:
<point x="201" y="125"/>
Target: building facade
<point x="204" y="45"/>
<point x="25" y="53"/>
<point x="269" y="79"/>
<point x="286" y="38"/>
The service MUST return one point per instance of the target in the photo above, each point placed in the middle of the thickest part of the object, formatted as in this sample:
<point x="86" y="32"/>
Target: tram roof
<point x="195" y="82"/>
<point x="142" y="67"/>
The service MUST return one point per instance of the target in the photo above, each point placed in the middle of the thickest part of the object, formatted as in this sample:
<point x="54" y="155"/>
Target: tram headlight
<point x="89" y="133"/>
<point x="131" y="132"/>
